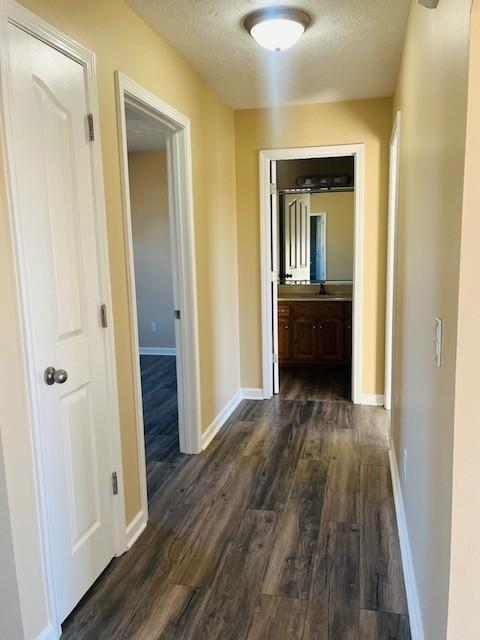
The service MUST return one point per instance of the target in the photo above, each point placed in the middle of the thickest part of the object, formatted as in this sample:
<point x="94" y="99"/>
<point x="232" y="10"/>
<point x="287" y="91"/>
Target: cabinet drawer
<point x="319" y="309"/>
<point x="283" y="309"/>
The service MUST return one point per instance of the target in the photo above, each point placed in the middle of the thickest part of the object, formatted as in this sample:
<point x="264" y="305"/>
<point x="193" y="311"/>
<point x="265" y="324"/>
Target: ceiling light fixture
<point x="277" y="28"/>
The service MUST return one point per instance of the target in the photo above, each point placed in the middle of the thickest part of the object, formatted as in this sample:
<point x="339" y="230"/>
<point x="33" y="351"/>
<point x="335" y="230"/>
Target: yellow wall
<point x="368" y="122"/>
<point x="339" y="208"/>
<point x="121" y="40"/>
<point x="432" y="96"/>
<point x="147" y="172"/>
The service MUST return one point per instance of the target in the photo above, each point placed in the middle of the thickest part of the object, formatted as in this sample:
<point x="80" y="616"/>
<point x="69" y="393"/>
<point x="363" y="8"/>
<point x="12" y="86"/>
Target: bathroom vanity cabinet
<point x="314" y="332"/>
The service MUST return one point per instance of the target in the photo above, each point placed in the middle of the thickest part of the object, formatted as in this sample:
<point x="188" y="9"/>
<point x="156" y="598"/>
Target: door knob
<point x="52" y="375"/>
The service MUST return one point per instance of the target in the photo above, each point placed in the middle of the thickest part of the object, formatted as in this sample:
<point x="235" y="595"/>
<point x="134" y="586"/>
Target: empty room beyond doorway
<point x="151" y="236"/>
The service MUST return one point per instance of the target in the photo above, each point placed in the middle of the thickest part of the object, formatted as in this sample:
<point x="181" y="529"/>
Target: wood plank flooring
<point x="284" y="529"/>
<point x="160" y="408"/>
<point x="320" y="383"/>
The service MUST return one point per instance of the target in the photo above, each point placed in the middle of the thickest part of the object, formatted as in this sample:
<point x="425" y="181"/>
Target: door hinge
<point x="275" y="358"/>
<point x="103" y="316"/>
<point x="273" y="188"/>
<point x="115" y="483"/>
<point x="274" y="276"/>
<point x="91" y="127"/>
<point x="177" y="314"/>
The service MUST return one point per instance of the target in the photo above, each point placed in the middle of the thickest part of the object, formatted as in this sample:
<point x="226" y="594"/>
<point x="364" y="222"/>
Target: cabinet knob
<point x="321" y="326"/>
<point x="286" y="326"/>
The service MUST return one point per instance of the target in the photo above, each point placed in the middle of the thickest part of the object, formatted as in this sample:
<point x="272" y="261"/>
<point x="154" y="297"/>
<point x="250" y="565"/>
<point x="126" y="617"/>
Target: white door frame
<point x="265" y="157"/>
<point x="13" y="13"/>
<point x="274" y="201"/>
<point x="391" y="258"/>
<point x="180" y="197"/>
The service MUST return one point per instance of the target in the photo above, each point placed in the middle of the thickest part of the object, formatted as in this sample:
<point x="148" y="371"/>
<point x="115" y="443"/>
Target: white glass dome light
<point x="277" y="28"/>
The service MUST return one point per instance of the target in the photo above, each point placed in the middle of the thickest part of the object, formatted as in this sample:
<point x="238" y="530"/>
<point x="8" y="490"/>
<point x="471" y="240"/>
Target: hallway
<point x="283" y="529"/>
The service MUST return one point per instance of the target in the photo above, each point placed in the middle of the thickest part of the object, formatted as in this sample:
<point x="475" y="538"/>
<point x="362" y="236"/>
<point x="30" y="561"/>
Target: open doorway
<point x="151" y="239"/>
<point x="315" y="221"/>
<point x="158" y="217"/>
<point x="312" y="226"/>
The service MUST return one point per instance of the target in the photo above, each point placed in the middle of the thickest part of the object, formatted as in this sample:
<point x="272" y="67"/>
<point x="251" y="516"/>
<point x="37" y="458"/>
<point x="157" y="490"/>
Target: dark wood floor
<point x="284" y="529"/>
<point x="321" y="383"/>
<point x="160" y="408"/>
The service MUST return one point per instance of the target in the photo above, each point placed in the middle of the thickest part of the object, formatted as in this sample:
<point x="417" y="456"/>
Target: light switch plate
<point x="438" y="341"/>
<point x="153" y="327"/>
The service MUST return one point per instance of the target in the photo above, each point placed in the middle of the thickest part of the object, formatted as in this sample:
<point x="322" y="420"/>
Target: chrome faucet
<point x="322" y="291"/>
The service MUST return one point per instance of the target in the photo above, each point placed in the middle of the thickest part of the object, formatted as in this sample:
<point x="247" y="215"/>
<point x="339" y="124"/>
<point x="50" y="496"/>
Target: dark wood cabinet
<point x="331" y="343"/>
<point x="284" y="339"/>
<point x="314" y="332"/>
<point x="305" y="339"/>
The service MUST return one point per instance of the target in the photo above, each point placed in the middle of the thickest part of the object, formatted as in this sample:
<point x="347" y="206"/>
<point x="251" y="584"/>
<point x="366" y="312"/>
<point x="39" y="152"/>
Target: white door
<point x="53" y="172"/>
<point x="297" y="236"/>
<point x="275" y="248"/>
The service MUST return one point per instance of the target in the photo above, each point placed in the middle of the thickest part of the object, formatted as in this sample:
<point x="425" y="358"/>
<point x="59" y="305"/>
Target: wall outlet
<point x="404" y="465"/>
<point x="154" y="327"/>
<point x="438" y="341"/>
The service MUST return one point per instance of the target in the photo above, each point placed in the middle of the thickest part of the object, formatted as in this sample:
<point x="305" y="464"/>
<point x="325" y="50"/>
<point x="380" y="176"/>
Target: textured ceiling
<point x="351" y="50"/>
<point x="143" y="132"/>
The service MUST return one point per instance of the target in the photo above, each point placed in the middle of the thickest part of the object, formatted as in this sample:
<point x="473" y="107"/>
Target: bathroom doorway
<point x="312" y="226"/>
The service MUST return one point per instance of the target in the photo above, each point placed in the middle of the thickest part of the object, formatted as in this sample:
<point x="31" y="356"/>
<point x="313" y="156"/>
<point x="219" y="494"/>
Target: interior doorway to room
<point x="311" y="255"/>
<point x="158" y="217"/>
<point x="315" y="220"/>
<point x="152" y="254"/>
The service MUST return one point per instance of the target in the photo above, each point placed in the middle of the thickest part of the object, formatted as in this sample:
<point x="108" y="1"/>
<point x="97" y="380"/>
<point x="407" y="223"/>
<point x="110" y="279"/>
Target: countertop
<point x="314" y="298"/>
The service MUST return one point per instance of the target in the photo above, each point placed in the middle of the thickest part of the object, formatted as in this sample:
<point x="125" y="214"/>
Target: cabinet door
<point x="284" y="339"/>
<point x="348" y="331"/>
<point x="331" y="340"/>
<point x="305" y="348"/>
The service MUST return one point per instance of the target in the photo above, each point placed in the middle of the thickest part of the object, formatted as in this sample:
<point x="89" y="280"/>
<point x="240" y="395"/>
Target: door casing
<point x="394" y="171"/>
<point x="180" y="197"/>
<point x="269" y="347"/>
<point x="13" y="13"/>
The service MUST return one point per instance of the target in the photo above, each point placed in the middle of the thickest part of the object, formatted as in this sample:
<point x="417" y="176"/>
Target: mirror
<point x="315" y="236"/>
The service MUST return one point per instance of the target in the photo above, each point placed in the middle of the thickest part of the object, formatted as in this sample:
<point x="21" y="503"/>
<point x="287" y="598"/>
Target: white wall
<point x="151" y="245"/>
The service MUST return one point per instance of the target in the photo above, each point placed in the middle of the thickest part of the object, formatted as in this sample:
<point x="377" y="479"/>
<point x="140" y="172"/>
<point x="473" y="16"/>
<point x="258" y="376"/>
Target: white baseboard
<point x="372" y="399"/>
<point x="158" y="351"/>
<point x="219" y="421"/>
<point x="50" y="633"/>
<point x="416" y="625"/>
<point x="135" y="528"/>
<point x="252" y="394"/>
